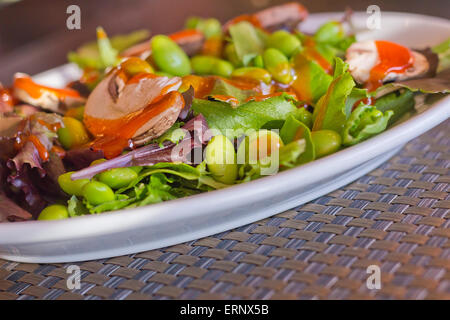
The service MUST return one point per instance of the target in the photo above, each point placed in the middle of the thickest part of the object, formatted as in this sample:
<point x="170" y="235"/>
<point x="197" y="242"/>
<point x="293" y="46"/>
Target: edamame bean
<point x="137" y="169"/>
<point x="54" y="212"/>
<point x="326" y="142"/>
<point x="73" y="134"/>
<point x="98" y="161"/>
<point x="306" y="117"/>
<point x="278" y="65"/>
<point x="96" y="193"/>
<point x="209" y="27"/>
<point x="330" y="32"/>
<point x="134" y="65"/>
<point x="169" y="57"/>
<point x="76" y="113"/>
<point x="258" y="61"/>
<point x="206" y="65"/>
<point x="117" y="178"/>
<point x="285" y="42"/>
<point x="258" y="145"/>
<point x="231" y="55"/>
<point x="253" y="73"/>
<point x="221" y="159"/>
<point x="72" y="187"/>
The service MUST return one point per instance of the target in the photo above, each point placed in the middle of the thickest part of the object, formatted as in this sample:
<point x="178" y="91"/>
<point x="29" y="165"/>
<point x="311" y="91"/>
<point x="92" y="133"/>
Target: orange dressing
<point x="185" y="34"/>
<point x="301" y="83"/>
<point x="245" y="17"/>
<point x="224" y="98"/>
<point x="7" y="97"/>
<point x="267" y="96"/>
<point x="35" y="90"/>
<point x="392" y="58"/>
<point x="312" y="53"/>
<point x="202" y="85"/>
<point x="212" y="47"/>
<point x="370" y="101"/>
<point x="43" y="153"/>
<point x="113" y="134"/>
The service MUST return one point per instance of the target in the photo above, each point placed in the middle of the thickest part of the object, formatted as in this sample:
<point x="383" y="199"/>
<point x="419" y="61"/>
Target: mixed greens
<point x="164" y="117"/>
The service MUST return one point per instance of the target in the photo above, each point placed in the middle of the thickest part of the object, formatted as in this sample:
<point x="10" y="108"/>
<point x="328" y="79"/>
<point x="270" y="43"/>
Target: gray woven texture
<point x="396" y="217"/>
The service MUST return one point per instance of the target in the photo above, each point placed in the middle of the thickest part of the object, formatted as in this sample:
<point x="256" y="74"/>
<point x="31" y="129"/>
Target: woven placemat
<point x="396" y="217"/>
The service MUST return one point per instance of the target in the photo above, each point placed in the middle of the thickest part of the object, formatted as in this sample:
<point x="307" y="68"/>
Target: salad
<point x="161" y="117"/>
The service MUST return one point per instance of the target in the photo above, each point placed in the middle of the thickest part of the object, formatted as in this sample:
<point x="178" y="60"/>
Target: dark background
<point x="34" y="37"/>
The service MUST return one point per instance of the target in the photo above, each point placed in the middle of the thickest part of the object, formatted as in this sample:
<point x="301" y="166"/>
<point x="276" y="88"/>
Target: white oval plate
<point x="159" y="225"/>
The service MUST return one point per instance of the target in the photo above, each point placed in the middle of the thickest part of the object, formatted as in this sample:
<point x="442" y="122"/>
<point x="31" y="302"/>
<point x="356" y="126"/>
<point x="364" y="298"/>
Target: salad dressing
<point x="311" y="52"/>
<point x="113" y="135"/>
<point x="302" y="79"/>
<point x="392" y="58"/>
<point x="35" y="90"/>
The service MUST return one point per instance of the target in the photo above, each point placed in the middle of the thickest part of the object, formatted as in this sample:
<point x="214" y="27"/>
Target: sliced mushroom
<point x="284" y="16"/>
<point x="363" y="56"/>
<point x="52" y="99"/>
<point x="142" y="107"/>
<point x="287" y="15"/>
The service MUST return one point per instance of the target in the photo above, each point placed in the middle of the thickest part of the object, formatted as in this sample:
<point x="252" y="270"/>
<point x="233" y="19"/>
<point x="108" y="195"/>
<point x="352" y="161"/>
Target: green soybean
<point x="231" y="55"/>
<point x="305" y="116"/>
<point x="326" y="142"/>
<point x="117" y="178"/>
<point x="54" y="212"/>
<point x="253" y="73"/>
<point x="258" y="61"/>
<point x="169" y="57"/>
<point x="221" y="159"/>
<point x="285" y="42"/>
<point x="96" y="193"/>
<point x="278" y="65"/>
<point x="209" y="27"/>
<point x="137" y="169"/>
<point x="72" y="187"/>
<point x="207" y="65"/>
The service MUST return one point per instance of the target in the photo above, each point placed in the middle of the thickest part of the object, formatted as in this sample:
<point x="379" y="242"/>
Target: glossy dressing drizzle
<point x="392" y="58"/>
<point x="35" y="90"/>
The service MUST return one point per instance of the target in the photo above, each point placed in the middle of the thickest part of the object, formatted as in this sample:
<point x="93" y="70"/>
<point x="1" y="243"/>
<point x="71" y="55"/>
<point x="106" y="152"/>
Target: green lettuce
<point x="89" y="55"/>
<point x="443" y="52"/>
<point x="364" y="122"/>
<point x="398" y="102"/>
<point x="288" y="157"/>
<point x="252" y="115"/>
<point x="223" y="88"/>
<point x="311" y="81"/>
<point x="293" y="130"/>
<point x="330" y="112"/>
<point x="247" y="41"/>
<point x="332" y="33"/>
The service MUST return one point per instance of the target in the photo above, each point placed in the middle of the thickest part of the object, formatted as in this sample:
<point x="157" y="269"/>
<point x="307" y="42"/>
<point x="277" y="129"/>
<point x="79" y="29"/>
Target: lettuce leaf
<point x="330" y="112"/>
<point x="398" y="102"/>
<point x="223" y="88"/>
<point x="293" y="130"/>
<point x="88" y="55"/>
<point x="364" y="122"/>
<point x="288" y="157"/>
<point x="310" y="81"/>
<point x="252" y="115"/>
<point x="247" y="41"/>
<point x="443" y="52"/>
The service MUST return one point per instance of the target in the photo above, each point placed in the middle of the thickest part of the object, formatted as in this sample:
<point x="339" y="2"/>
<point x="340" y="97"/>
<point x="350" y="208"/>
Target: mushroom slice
<point x="284" y="16"/>
<point x="394" y="62"/>
<point x="143" y="107"/>
<point x="287" y="15"/>
<point x="56" y="100"/>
